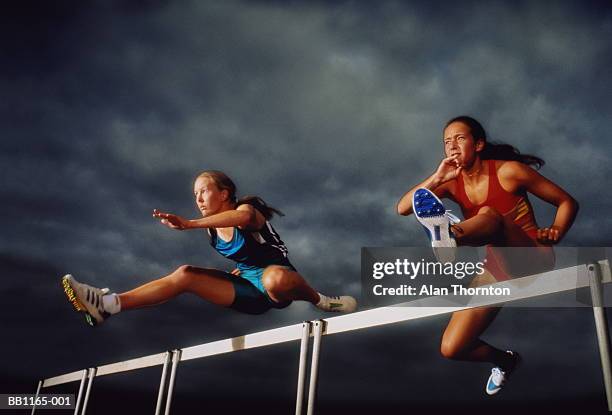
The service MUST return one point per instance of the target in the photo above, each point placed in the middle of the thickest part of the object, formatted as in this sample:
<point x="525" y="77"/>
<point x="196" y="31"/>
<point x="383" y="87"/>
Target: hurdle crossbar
<point x="592" y="275"/>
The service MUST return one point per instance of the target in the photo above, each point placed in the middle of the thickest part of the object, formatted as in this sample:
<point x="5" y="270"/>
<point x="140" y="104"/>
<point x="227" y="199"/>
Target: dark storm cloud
<point x="328" y="111"/>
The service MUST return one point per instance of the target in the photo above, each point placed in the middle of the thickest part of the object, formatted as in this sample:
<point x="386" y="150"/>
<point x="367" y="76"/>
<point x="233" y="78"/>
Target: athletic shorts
<point x="251" y="295"/>
<point x="496" y="268"/>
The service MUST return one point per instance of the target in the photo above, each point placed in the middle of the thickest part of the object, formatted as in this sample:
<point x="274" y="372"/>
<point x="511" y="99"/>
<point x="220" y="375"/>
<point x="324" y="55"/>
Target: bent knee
<point x="183" y="269"/>
<point x="450" y="349"/>
<point x="277" y="278"/>
<point x="490" y="211"/>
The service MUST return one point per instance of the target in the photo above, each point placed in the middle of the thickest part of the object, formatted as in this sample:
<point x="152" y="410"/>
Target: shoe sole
<point x="432" y="217"/>
<point x="76" y="304"/>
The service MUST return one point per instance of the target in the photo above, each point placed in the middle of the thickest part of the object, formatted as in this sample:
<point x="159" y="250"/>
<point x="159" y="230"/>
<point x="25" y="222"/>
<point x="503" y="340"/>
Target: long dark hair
<point x="496" y="151"/>
<point x="223" y="182"/>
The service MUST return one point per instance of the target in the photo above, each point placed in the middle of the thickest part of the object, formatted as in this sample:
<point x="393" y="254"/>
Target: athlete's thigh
<point x="212" y="284"/>
<point x="484" y="278"/>
<point x="522" y="255"/>
<point x="514" y="235"/>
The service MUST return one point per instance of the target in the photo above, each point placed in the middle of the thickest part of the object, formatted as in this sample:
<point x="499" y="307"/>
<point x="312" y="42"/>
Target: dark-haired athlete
<point x="490" y="182"/>
<point x="239" y="230"/>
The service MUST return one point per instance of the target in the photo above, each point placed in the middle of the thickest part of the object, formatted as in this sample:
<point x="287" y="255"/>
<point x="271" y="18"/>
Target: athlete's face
<point x="458" y="140"/>
<point x="209" y="198"/>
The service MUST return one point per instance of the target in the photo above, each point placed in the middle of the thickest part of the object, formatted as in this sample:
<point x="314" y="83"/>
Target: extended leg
<point x="210" y="284"/>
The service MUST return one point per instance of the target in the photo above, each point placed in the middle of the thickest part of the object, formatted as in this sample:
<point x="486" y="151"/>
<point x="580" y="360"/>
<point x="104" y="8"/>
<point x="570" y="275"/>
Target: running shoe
<point x="437" y="221"/>
<point x="499" y="377"/>
<point x="87" y="299"/>
<point x="337" y="304"/>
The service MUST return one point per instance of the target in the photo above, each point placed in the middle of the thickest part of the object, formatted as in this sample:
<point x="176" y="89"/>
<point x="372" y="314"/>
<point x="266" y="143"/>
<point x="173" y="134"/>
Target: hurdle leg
<point x="601" y="326"/>
<point x="176" y="357"/>
<point x="162" y="384"/>
<point x="78" y="399"/>
<point x="302" y="367"/>
<point x="314" y="366"/>
<point x="91" y="375"/>
<point x="40" y="382"/>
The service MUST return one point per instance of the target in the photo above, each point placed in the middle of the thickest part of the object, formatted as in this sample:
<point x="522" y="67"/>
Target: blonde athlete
<point x="239" y="230"/>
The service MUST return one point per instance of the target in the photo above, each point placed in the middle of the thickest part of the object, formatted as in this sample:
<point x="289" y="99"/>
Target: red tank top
<point x="506" y="203"/>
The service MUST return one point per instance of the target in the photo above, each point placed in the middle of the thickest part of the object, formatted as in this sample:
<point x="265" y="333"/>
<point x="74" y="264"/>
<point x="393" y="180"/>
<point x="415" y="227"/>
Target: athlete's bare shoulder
<point x="257" y="220"/>
<point x="510" y="168"/>
<point x="512" y="174"/>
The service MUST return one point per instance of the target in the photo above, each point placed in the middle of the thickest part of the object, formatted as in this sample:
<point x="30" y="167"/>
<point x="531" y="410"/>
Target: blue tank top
<point x="252" y="250"/>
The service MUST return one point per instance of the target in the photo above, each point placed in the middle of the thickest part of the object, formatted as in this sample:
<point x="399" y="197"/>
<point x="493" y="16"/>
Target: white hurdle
<point x="592" y="275"/>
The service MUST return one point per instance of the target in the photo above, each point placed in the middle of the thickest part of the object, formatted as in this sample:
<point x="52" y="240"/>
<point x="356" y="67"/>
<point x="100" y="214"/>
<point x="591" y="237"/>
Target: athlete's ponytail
<point x="259" y="204"/>
<point x="223" y="182"/>
<point x="496" y="151"/>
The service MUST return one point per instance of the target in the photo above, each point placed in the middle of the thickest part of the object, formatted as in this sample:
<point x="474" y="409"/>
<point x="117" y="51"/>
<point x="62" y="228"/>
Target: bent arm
<point x="244" y="217"/>
<point x="229" y="218"/>
<point x="540" y="186"/>
<point x="433" y="183"/>
<point x="448" y="170"/>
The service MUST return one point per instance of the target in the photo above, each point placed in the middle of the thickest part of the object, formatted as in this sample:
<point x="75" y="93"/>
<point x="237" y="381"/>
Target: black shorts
<point x="250" y="300"/>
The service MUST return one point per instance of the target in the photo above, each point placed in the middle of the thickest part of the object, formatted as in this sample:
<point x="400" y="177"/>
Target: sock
<point x="111" y="303"/>
<point x="509" y="362"/>
<point x="323" y="303"/>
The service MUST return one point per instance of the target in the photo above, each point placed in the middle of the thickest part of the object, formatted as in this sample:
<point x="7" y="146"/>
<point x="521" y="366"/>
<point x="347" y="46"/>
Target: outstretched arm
<point x="540" y="186"/>
<point x="244" y="217"/>
<point x="448" y="170"/>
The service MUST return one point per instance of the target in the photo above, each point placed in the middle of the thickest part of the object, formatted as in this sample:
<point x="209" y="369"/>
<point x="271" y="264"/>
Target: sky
<point x="329" y="111"/>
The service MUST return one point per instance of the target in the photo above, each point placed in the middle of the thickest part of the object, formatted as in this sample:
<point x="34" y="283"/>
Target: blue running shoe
<point x="498" y="377"/>
<point x="437" y="221"/>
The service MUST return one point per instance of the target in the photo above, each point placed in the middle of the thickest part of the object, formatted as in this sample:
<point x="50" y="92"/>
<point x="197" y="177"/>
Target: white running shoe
<point x="87" y="299"/>
<point x="337" y="304"/>
<point x="498" y="377"/>
<point x="437" y="221"/>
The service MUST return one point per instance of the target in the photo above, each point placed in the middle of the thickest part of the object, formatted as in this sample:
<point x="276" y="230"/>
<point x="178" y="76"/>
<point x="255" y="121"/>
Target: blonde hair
<point x="223" y="182"/>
